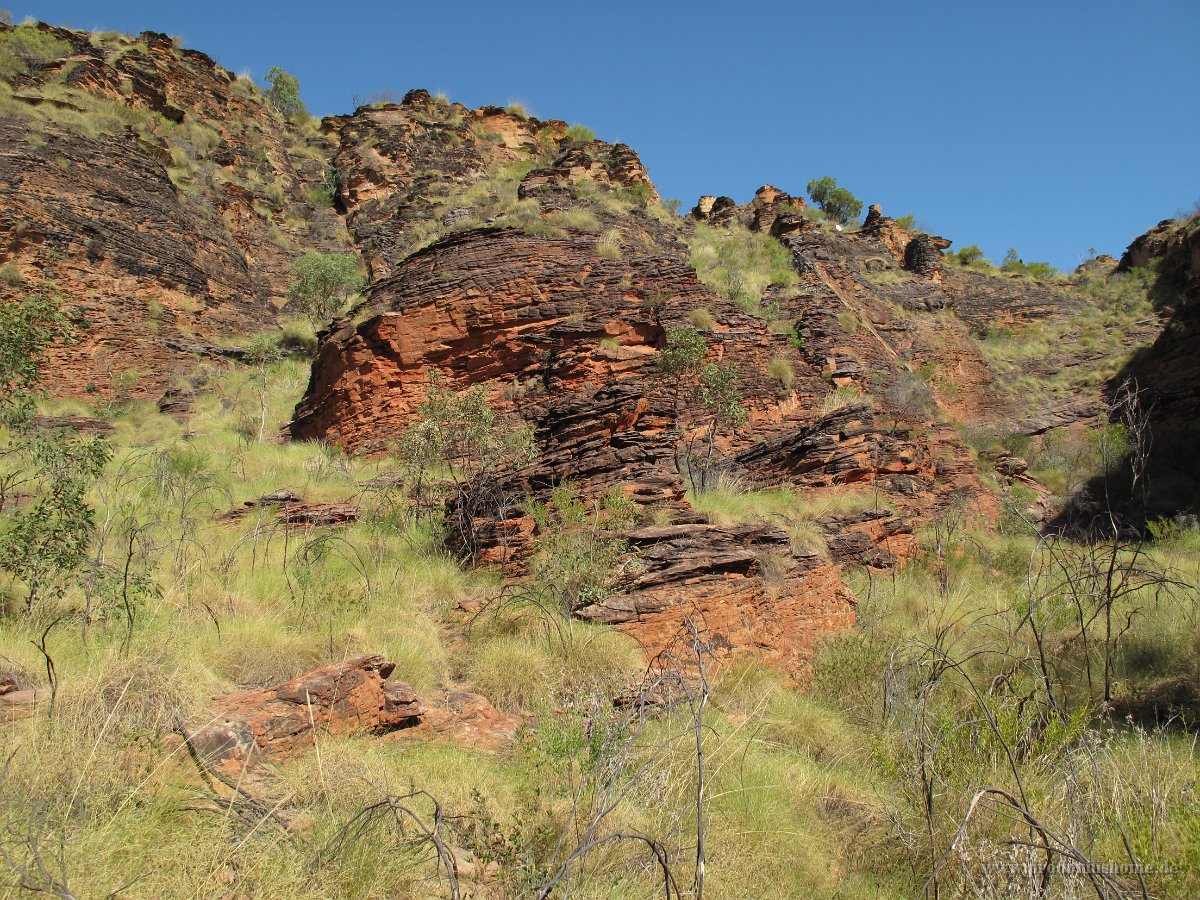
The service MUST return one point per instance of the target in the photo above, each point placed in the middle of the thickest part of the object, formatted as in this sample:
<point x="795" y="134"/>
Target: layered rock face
<point x="564" y="326"/>
<point x="154" y="191"/>
<point x="1168" y="371"/>
<point x="411" y="171"/>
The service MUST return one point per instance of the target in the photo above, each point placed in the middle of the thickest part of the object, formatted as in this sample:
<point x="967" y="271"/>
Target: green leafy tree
<point x="682" y="356"/>
<point x="577" y="559"/>
<point x="261" y="353"/>
<point x="321" y="283"/>
<point x="44" y="540"/>
<point x="968" y="256"/>
<point x="1013" y="263"/>
<point x="284" y="93"/>
<point x="836" y="202"/>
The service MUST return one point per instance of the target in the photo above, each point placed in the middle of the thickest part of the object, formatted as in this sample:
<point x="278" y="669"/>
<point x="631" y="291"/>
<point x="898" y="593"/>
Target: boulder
<point x="342" y="698"/>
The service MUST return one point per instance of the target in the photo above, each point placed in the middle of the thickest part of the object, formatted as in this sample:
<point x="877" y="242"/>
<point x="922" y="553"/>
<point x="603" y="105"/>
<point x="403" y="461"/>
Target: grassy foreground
<point x="863" y="784"/>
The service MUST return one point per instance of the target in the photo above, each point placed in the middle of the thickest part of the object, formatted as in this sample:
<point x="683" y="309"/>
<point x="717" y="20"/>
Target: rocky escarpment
<point x="1168" y="371"/>
<point x="564" y="330"/>
<point x="412" y="171"/>
<point x="156" y="192"/>
<point x="566" y="338"/>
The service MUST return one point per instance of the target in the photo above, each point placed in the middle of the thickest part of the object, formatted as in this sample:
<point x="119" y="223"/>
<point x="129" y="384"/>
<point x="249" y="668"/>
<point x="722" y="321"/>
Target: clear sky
<point x="1050" y="126"/>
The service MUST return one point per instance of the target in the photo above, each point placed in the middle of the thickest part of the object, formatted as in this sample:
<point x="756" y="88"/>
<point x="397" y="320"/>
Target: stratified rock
<point x="885" y="230"/>
<point x="615" y="165"/>
<point x="1168" y="372"/>
<point x="344" y="698"/>
<point x="151" y="235"/>
<point x="922" y="255"/>
<point x="295" y="510"/>
<point x="875" y="538"/>
<point x="464" y="719"/>
<point x="769" y="205"/>
<point x="737" y="590"/>
<point x="715" y="210"/>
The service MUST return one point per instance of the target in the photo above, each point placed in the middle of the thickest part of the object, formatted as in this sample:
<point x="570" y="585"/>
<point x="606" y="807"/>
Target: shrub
<point x="779" y="368"/>
<point x="968" y="257"/>
<point x="740" y="265"/>
<point x="321" y="283"/>
<point x="322" y="194"/>
<point x="26" y="45"/>
<point x="910" y="398"/>
<point x="1038" y="270"/>
<point x="580" y="134"/>
<point x="11" y="274"/>
<point x="835" y="202"/>
<point x="609" y="245"/>
<point x="701" y="319"/>
<point x="516" y="109"/>
<point x="683" y="354"/>
<point x="845" y="395"/>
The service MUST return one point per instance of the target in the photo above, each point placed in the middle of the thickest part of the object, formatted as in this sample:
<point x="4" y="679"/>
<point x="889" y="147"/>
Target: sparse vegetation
<point x="780" y="368"/>
<point x="1038" y="270"/>
<point x="740" y="265"/>
<point x="1012" y="713"/>
<point x="701" y="319"/>
<point x="969" y="257"/>
<point x="26" y="46"/>
<point x="580" y="134"/>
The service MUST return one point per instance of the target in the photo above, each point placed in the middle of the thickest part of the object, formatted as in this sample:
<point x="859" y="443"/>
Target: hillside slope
<point x="156" y="193"/>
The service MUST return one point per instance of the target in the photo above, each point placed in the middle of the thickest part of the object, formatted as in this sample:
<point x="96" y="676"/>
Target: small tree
<point x="284" y="93"/>
<point x="262" y="353"/>
<point x="722" y="402"/>
<point x="836" y="202"/>
<point x="321" y="283"/>
<point x="44" y="541"/>
<point x="968" y="256"/>
<point x="459" y="436"/>
<point x="682" y="356"/>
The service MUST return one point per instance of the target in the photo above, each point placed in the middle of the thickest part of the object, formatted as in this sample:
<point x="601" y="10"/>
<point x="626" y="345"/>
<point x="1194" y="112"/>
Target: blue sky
<point x="1053" y="127"/>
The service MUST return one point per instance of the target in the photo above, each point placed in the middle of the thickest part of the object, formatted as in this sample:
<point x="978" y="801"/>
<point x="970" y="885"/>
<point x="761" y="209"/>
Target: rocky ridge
<point x="159" y="195"/>
<point x="525" y="256"/>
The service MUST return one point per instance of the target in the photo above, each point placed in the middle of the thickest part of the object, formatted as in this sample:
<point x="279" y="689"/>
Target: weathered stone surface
<point x="97" y="217"/>
<point x="886" y="231"/>
<point x="464" y="719"/>
<point x="742" y="589"/>
<point x="922" y="255"/>
<point x="18" y="700"/>
<point x="847" y="446"/>
<point x="615" y="165"/>
<point x="1168" y="371"/>
<point x="762" y="213"/>
<point x="343" y="698"/>
<point x="292" y="509"/>
<point x="715" y="210"/>
<point x="397" y="162"/>
<point x="875" y="538"/>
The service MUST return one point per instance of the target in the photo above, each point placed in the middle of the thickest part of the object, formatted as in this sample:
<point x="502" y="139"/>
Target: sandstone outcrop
<point x="291" y="509"/>
<point x="1168" y="371"/>
<point x="873" y="538"/>
<point x="343" y="698"/>
<point x="158" y="194"/>
<point x="743" y="589"/>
